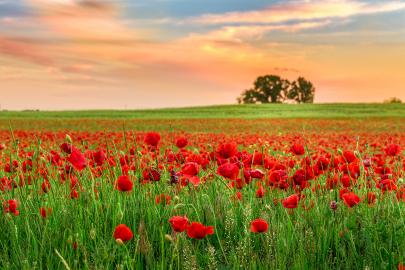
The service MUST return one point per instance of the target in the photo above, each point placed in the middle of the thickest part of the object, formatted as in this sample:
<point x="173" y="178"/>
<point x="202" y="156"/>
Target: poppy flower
<point x="152" y="138"/>
<point x="66" y="148"/>
<point x="350" y="199"/>
<point x="190" y="168"/>
<point x="349" y="156"/>
<point x="46" y="186"/>
<point x="123" y="183"/>
<point x="197" y="230"/>
<point x="99" y="157"/>
<point x="123" y="232"/>
<point x="227" y="150"/>
<point x="181" y="142"/>
<point x="194" y="180"/>
<point x="371" y="197"/>
<point x="260" y="192"/>
<point x="162" y="199"/>
<point x="228" y="170"/>
<point x="259" y="226"/>
<point x="297" y="149"/>
<point x="45" y="212"/>
<point x="10" y="206"/>
<point x="392" y="150"/>
<point x="179" y="223"/>
<point x="151" y="175"/>
<point x="387" y="184"/>
<point x="256" y="174"/>
<point x="77" y="160"/>
<point x="291" y="201"/>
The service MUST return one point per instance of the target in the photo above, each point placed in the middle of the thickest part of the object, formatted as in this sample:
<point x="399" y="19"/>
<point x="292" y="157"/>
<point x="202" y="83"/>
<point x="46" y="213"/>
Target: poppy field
<point x="202" y="194"/>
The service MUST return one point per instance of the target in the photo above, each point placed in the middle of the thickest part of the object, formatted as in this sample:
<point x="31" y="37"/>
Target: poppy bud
<point x="168" y="238"/>
<point x="333" y="205"/>
<point x="119" y="241"/>
<point x="120" y="215"/>
<point x="68" y="138"/>
<point x="93" y="234"/>
<point x="176" y="199"/>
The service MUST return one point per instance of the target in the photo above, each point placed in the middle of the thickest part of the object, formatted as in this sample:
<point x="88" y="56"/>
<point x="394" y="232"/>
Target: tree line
<point x="274" y="89"/>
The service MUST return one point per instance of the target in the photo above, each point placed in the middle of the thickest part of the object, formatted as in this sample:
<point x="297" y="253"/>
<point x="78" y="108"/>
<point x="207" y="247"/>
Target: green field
<point x="228" y="111"/>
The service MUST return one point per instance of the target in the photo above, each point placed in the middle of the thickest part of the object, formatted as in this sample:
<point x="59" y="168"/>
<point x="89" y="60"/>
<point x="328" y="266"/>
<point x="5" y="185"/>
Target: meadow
<point x="317" y="186"/>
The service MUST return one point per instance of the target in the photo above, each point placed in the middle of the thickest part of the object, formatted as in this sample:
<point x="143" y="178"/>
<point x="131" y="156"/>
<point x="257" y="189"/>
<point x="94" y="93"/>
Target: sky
<point x="88" y="54"/>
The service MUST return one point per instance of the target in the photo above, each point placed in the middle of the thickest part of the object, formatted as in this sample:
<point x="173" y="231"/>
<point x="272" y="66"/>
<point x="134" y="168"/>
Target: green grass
<point x="347" y="110"/>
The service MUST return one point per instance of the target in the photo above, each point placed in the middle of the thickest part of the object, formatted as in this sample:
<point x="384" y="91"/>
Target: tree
<point x="266" y="89"/>
<point x="393" y="100"/>
<point x="302" y="91"/>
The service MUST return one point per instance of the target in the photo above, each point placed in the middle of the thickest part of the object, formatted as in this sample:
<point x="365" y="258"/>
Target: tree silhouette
<point x="266" y="89"/>
<point x="273" y="89"/>
<point x="302" y="91"/>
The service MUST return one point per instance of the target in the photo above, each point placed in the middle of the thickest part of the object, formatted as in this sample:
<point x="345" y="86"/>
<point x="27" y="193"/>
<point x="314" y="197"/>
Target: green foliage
<point x="274" y="89"/>
<point x="393" y="100"/>
<point x="302" y="91"/>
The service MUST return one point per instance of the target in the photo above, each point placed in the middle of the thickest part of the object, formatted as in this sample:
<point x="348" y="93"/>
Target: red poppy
<point x="45" y="212"/>
<point x="46" y="186"/>
<point x="291" y="201"/>
<point x="197" y="230"/>
<point x="152" y="138"/>
<point x="162" y="199"/>
<point x="227" y="150"/>
<point x="349" y="156"/>
<point x="259" y="226"/>
<point x="179" y="223"/>
<point x="77" y="159"/>
<point x="392" y="150"/>
<point x="387" y="185"/>
<point x="123" y="232"/>
<point x="124" y="183"/>
<point x="228" y="170"/>
<point x="66" y="148"/>
<point x="297" y="149"/>
<point x="260" y="192"/>
<point x="151" y="175"/>
<point x="371" y="197"/>
<point x="10" y="206"/>
<point x="350" y="199"/>
<point x="195" y="180"/>
<point x="190" y="168"/>
<point x="181" y="142"/>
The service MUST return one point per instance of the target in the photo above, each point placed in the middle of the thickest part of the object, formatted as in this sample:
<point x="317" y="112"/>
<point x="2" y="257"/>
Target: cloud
<point x="300" y="11"/>
<point x="24" y="51"/>
<point x="254" y="32"/>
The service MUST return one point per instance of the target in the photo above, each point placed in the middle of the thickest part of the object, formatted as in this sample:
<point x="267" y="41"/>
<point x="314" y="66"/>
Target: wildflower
<point x="197" y="230"/>
<point x="181" y="142"/>
<point x="291" y="201"/>
<point x="152" y="139"/>
<point x="350" y="199"/>
<point x="123" y="233"/>
<point x="179" y="223"/>
<point x="259" y="226"/>
<point x="228" y="170"/>
<point x="124" y="184"/>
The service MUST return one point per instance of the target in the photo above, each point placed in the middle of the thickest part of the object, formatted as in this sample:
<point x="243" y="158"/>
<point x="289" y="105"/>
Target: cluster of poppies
<point x="289" y="164"/>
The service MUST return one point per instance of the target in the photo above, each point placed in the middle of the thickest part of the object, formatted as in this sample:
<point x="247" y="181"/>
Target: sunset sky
<point x="66" y="54"/>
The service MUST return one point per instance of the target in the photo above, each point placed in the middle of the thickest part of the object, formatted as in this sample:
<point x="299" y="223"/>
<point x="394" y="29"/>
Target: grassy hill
<point x="347" y="110"/>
